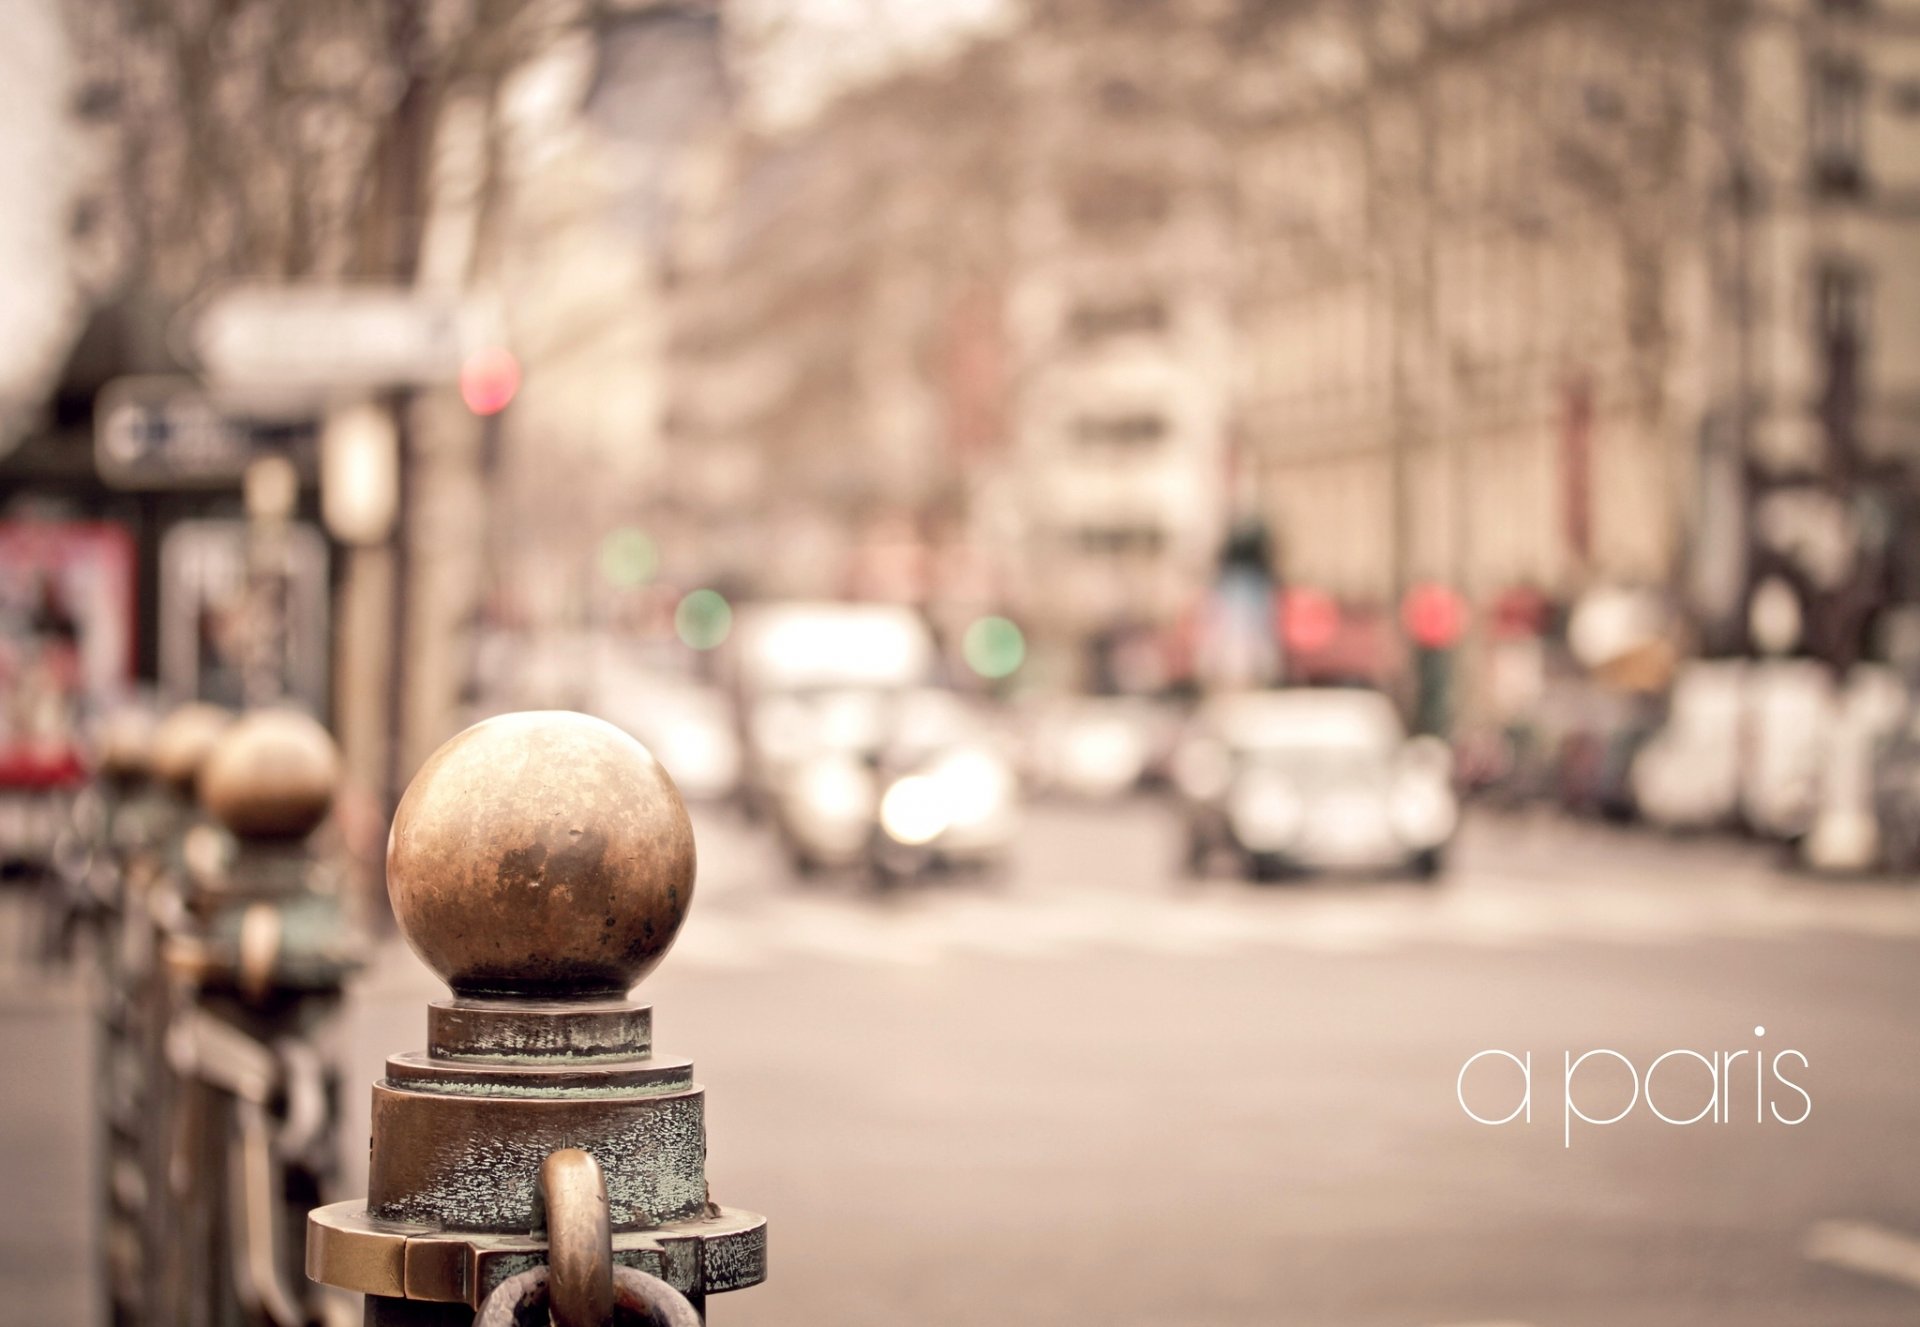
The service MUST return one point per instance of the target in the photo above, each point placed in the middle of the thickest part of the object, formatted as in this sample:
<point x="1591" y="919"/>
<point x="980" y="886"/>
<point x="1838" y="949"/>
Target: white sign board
<point x="258" y="334"/>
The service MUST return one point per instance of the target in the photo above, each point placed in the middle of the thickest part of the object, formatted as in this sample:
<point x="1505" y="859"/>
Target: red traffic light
<point x="1309" y="620"/>
<point x="489" y="379"/>
<point x="1433" y="615"/>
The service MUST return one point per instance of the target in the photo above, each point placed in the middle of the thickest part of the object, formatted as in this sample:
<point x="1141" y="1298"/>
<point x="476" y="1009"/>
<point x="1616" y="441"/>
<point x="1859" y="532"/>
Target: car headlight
<point x="976" y="787"/>
<point x="703" y="759"/>
<point x="836" y="790"/>
<point x="1265" y="812"/>
<point x="1423" y="809"/>
<point x="914" y="810"/>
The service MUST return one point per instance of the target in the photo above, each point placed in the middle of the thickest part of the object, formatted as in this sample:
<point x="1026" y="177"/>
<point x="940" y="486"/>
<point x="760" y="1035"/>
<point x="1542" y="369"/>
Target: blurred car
<point x="688" y="728"/>
<point x="1309" y="779"/>
<point x="900" y="781"/>
<point x="853" y="753"/>
<point x="1896" y="796"/>
<point x="790" y="649"/>
<point x="1791" y="709"/>
<point x="1688" y="775"/>
<point x="1847" y="835"/>
<point x="1098" y="747"/>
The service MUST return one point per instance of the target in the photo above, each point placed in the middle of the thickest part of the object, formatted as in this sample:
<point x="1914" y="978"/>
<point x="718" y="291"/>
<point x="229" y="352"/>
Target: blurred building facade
<point x="964" y="340"/>
<point x="1555" y="293"/>
<point x="1484" y="292"/>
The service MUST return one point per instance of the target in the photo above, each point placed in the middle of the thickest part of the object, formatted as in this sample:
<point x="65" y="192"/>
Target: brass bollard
<point x="541" y="864"/>
<point x="256" y="960"/>
<point x="148" y="780"/>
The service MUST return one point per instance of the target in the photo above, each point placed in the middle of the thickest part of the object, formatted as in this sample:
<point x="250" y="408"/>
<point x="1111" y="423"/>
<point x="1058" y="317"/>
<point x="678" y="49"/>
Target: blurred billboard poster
<point x="243" y="614"/>
<point x="66" y="641"/>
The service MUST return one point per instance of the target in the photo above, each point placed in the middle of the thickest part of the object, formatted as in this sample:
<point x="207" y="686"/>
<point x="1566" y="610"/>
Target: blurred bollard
<point x="255" y="959"/>
<point x="146" y="782"/>
<point x="538" y="1152"/>
<point x="79" y="892"/>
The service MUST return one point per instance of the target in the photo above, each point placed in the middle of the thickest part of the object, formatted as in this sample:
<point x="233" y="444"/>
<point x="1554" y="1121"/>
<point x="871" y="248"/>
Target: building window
<point x="1098" y="322"/>
<point x="1119" y="540"/>
<point x="1841" y="301"/>
<point x="1841" y="313"/>
<point x="1838" y="128"/>
<point x="1138" y="429"/>
<point x="1122" y="97"/>
<point x="1113" y="201"/>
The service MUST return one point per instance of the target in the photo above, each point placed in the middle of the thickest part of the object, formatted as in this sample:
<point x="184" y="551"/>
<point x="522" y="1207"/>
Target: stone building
<point x="1549" y="292"/>
<point x="1484" y="292"/>
<point x="823" y="304"/>
<point x="963" y="340"/>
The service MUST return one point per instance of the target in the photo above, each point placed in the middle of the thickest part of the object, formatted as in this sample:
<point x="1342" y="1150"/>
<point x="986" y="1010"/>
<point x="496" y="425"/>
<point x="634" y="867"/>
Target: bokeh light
<point x="994" y="647"/>
<point x="1433" y="615"/>
<point x="628" y="558"/>
<point x="1310" y="620"/>
<point x="703" y="619"/>
<point x="489" y="379"/>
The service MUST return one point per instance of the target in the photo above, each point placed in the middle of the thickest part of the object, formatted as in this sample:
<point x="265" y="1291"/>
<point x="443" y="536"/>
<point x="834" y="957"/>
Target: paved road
<point x="1093" y="1093"/>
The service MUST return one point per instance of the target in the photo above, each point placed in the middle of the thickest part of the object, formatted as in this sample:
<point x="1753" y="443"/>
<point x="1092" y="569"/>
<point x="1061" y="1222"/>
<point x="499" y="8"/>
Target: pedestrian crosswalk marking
<point x="1860" y="1246"/>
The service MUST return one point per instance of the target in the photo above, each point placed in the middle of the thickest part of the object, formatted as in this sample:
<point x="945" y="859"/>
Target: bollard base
<point x="723" y="1250"/>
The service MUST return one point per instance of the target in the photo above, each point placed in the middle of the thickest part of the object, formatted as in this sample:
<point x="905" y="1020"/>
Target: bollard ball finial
<point x="183" y="740"/>
<point x="271" y="775"/>
<point x="123" y="747"/>
<point x="544" y="854"/>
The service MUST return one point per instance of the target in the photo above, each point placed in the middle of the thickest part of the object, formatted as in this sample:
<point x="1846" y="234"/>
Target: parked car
<point x="1308" y="779"/>
<point x="1896" y="797"/>
<point x="1688" y="775"/>
<point x="1848" y="834"/>
<point x="1791" y="710"/>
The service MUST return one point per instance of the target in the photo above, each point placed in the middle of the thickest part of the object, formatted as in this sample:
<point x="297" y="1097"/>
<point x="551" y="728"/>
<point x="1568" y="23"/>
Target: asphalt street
<point x="1090" y="1091"/>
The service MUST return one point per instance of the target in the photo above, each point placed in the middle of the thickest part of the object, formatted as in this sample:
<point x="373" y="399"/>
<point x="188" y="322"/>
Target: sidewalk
<point x="46" y="1113"/>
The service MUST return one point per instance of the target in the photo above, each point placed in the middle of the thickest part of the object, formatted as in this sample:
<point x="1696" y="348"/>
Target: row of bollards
<point x="223" y="946"/>
<point x="536" y="1160"/>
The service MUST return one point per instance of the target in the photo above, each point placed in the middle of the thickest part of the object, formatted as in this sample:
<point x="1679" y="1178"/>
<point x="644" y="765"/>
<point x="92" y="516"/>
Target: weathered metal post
<point x="541" y="864"/>
<point x="256" y="960"/>
<point x="133" y="815"/>
<point x="149" y="783"/>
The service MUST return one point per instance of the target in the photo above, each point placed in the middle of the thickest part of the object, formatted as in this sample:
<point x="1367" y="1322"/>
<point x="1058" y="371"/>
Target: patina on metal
<point x="540" y="864"/>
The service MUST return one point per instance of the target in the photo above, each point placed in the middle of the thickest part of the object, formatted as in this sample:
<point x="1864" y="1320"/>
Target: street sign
<point x="329" y="336"/>
<point x="166" y="432"/>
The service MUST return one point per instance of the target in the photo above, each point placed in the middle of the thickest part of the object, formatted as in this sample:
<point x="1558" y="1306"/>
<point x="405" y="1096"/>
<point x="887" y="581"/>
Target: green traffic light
<point x="994" y="647"/>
